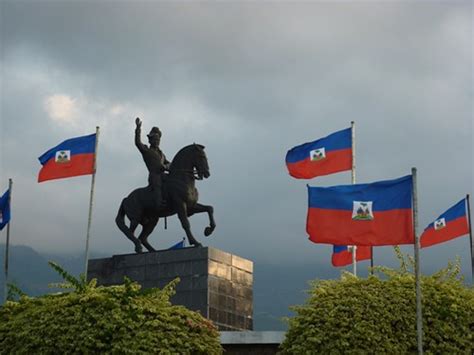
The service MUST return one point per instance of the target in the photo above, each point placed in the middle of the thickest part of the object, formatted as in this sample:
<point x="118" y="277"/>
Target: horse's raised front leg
<point x="182" y="211"/>
<point x="199" y="208"/>
<point x="146" y="231"/>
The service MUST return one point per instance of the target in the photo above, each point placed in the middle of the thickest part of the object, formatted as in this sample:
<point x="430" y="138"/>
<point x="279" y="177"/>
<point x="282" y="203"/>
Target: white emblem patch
<point x="63" y="156"/>
<point x="439" y="224"/>
<point x="362" y="211"/>
<point x="317" y="154"/>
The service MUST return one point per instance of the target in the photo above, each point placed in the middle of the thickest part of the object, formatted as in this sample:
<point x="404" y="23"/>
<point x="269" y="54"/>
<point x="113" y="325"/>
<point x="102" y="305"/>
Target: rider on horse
<point x="154" y="159"/>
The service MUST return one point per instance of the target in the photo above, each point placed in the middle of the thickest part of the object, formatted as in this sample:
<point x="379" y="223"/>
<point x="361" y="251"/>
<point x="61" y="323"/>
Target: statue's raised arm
<point x="138" y="131"/>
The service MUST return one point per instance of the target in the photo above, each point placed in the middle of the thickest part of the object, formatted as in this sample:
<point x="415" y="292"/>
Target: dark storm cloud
<point x="221" y="52"/>
<point x="249" y="81"/>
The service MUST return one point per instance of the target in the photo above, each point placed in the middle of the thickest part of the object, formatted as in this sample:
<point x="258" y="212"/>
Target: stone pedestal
<point x="213" y="282"/>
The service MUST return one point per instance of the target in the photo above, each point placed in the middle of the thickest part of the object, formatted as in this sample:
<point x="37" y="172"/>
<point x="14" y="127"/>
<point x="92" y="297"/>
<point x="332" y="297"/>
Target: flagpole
<point x="353" y="181"/>
<point x="89" y="220"/>
<point x="470" y="237"/>
<point x="7" y="244"/>
<point x="371" y="260"/>
<point x="419" y="319"/>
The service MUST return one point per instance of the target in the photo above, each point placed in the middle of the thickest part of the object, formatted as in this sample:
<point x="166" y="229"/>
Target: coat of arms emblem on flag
<point x="63" y="156"/>
<point x="362" y="211"/>
<point x="440" y="224"/>
<point x="317" y="154"/>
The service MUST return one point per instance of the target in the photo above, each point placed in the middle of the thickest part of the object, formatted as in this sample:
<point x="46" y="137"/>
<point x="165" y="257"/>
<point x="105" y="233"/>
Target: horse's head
<point x="200" y="162"/>
<point x="191" y="159"/>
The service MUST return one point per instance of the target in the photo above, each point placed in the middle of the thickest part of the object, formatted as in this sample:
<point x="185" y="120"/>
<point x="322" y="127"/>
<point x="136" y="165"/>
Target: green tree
<point x="377" y="315"/>
<point x="116" y="319"/>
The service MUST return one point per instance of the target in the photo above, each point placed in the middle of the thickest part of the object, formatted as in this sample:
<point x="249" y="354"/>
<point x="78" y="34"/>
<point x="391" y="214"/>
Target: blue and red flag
<point x="324" y="156"/>
<point x="178" y="245"/>
<point x="73" y="157"/>
<point x="342" y="254"/>
<point x="379" y="213"/>
<point x="5" y="214"/>
<point x="451" y="224"/>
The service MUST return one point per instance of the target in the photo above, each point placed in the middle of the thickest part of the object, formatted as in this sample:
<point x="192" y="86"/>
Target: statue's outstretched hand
<point x="138" y="122"/>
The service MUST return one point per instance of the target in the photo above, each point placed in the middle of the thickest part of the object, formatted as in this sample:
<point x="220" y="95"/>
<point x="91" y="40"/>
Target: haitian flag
<point x="451" y="224"/>
<point x="342" y="254"/>
<point x="178" y="245"/>
<point x="324" y="156"/>
<point x="5" y="209"/>
<point x="73" y="157"/>
<point x="379" y="213"/>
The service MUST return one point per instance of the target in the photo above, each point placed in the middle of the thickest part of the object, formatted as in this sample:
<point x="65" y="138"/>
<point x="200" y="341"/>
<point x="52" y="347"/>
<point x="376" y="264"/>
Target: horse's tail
<point x="120" y="219"/>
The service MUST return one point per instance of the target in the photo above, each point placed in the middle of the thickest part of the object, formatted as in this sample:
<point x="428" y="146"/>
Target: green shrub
<point x="378" y="315"/>
<point x="115" y="319"/>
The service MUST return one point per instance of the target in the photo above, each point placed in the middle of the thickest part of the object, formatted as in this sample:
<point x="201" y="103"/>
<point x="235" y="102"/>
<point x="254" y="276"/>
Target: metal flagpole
<point x="7" y="245"/>
<point x="353" y="181"/>
<point x="371" y="260"/>
<point x="419" y="319"/>
<point x="470" y="237"/>
<point x="89" y="221"/>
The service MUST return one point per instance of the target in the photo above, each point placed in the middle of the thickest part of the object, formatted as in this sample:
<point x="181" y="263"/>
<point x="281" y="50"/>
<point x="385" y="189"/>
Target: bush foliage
<point x="116" y="319"/>
<point x="378" y="315"/>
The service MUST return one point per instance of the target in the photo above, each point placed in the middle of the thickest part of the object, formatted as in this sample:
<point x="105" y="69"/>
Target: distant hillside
<point x="30" y="271"/>
<point x="276" y="287"/>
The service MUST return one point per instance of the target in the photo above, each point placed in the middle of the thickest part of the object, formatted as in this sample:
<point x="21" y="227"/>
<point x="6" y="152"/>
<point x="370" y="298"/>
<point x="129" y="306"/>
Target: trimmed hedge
<point x="378" y="316"/>
<point x="116" y="319"/>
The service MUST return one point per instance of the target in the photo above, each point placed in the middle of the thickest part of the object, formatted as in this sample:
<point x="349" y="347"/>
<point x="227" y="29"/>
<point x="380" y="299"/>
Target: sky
<point x="248" y="80"/>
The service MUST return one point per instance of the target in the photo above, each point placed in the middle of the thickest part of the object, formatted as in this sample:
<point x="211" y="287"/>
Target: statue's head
<point x="154" y="137"/>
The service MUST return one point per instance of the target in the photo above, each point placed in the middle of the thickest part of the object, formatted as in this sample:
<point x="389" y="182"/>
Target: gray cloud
<point x="249" y="81"/>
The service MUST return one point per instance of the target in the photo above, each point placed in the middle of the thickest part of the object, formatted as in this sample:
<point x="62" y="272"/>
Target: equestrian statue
<point x="171" y="190"/>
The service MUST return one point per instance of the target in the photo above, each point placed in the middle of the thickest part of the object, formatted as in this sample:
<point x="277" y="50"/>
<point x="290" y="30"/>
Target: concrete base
<point x="213" y="282"/>
<point x="251" y="343"/>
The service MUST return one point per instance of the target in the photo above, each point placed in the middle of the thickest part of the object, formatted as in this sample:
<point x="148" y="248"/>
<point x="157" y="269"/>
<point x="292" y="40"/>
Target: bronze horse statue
<point x="180" y="196"/>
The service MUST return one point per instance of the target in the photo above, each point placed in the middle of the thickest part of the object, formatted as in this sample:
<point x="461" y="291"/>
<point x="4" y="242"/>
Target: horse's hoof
<point x="208" y="231"/>
<point x="197" y="245"/>
<point x="138" y="249"/>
